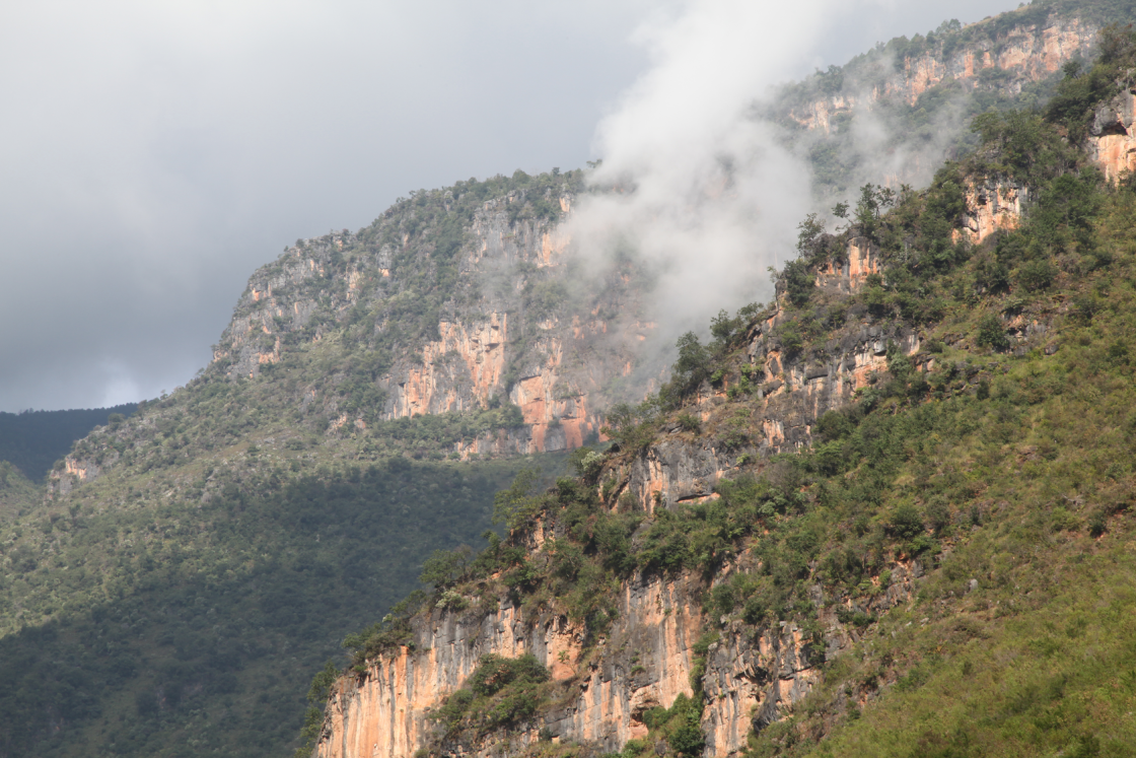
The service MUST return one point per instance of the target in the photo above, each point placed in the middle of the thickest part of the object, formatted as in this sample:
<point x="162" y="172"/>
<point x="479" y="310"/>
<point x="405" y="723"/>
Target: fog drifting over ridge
<point x="155" y="155"/>
<point x="698" y="186"/>
<point x="704" y="192"/>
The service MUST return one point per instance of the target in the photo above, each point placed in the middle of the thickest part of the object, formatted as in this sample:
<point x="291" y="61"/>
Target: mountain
<point x="888" y="515"/>
<point x="370" y="395"/>
<point x="188" y="569"/>
<point x="34" y="440"/>
<point x="894" y="113"/>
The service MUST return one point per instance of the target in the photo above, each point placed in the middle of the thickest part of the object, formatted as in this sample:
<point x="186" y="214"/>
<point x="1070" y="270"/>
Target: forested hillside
<point x="888" y="514"/>
<point x="33" y="441"/>
<point x="194" y="563"/>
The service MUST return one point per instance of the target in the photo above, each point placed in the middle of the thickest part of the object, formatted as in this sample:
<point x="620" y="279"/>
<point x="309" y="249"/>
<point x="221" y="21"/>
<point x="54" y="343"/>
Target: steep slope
<point x="896" y="112"/>
<point x="453" y="301"/>
<point x="34" y="440"/>
<point x="888" y="515"/>
<point x="193" y="564"/>
<point x="181" y="549"/>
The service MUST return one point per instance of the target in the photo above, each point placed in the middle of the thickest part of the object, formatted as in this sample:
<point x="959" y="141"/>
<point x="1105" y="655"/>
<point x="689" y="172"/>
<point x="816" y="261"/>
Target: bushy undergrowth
<point x="500" y="693"/>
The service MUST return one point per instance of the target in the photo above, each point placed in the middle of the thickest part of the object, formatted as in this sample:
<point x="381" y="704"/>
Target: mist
<point x="694" y="183"/>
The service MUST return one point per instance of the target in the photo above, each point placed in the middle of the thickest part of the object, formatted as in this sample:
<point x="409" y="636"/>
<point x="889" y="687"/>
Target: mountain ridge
<point x="757" y="603"/>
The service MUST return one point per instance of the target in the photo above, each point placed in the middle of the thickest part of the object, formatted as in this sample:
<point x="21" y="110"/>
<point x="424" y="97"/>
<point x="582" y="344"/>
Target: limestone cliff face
<point x="471" y="358"/>
<point x="647" y="657"/>
<point x="795" y="390"/>
<point x="646" y="660"/>
<point x="1112" y="143"/>
<point x="992" y="206"/>
<point x="751" y="682"/>
<point x="384" y="711"/>
<point x="516" y="328"/>
<point x="1007" y="60"/>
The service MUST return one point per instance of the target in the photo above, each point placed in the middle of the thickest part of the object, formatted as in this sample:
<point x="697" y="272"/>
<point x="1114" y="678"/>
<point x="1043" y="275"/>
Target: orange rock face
<point x="645" y="661"/>
<point x="1028" y="53"/>
<point x="992" y="207"/>
<point x="384" y="713"/>
<point x="476" y="352"/>
<point x="1112" y="141"/>
<point x="848" y="276"/>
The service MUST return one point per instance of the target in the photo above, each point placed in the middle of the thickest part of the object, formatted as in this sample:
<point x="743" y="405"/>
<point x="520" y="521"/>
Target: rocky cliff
<point x="1111" y="140"/>
<point x="895" y="113"/>
<point x="650" y="654"/>
<point x="512" y="319"/>
<point x="1003" y="54"/>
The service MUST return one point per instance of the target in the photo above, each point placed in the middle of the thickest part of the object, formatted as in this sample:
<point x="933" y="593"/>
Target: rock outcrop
<point x="648" y="656"/>
<point x="516" y="328"/>
<point x="795" y="389"/>
<point x="991" y="207"/>
<point x="1112" y="143"/>
<point x="1008" y="60"/>
<point x="645" y="661"/>
<point x="384" y="711"/>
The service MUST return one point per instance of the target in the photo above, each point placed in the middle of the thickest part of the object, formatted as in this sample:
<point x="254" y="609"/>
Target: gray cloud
<point x="153" y="155"/>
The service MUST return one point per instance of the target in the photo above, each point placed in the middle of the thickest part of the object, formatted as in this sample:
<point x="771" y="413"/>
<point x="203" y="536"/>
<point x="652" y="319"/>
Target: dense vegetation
<point x="17" y="492"/>
<point x="174" y="606"/>
<point x="34" y="440"/>
<point x="176" y="628"/>
<point x="227" y="534"/>
<point x="998" y="458"/>
<point x="501" y="692"/>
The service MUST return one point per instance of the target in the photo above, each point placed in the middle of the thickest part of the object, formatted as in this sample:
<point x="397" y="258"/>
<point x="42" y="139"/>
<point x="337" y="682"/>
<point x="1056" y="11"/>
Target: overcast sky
<point x="153" y="154"/>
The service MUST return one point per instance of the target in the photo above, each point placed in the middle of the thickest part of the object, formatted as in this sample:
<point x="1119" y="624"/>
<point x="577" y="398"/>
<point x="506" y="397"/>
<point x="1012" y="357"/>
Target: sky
<point x="153" y="155"/>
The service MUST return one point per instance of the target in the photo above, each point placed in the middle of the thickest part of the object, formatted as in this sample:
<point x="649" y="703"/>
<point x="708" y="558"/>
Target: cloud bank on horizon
<point x="156" y="154"/>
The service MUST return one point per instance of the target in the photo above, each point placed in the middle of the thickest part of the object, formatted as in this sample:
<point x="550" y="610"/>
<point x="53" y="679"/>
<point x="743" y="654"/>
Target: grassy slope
<point x="1038" y="658"/>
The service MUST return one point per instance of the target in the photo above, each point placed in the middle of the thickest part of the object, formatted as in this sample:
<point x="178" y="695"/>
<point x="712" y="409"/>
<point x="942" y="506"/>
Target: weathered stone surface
<point x="1111" y="142"/>
<point x="485" y="349"/>
<point x="384" y="713"/>
<point x="1028" y="53"/>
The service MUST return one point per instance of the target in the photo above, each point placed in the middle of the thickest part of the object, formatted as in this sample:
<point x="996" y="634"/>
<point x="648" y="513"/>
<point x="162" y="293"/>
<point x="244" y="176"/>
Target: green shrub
<point x="1035" y="276"/>
<point x="688" y="422"/>
<point x="905" y="522"/>
<point x="992" y="334"/>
